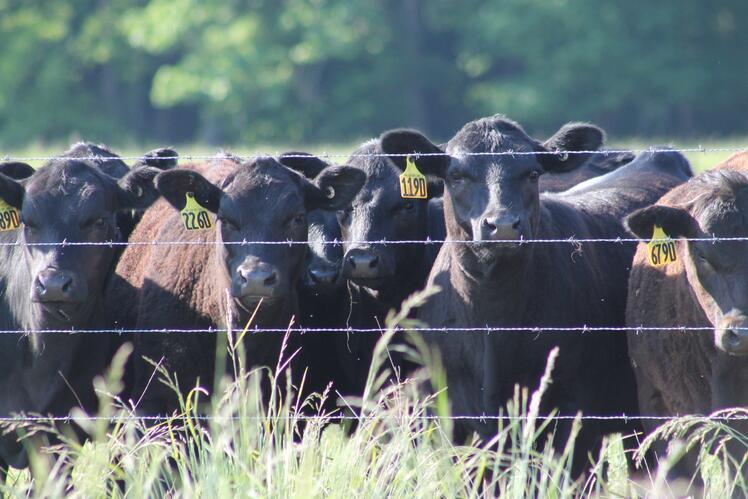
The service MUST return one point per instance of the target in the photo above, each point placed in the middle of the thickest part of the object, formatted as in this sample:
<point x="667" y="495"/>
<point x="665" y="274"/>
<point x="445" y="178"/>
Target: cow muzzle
<point x="60" y="293"/>
<point x="322" y="276"/>
<point x="731" y="336"/>
<point x="254" y="281"/>
<point x="367" y="267"/>
<point x="505" y="227"/>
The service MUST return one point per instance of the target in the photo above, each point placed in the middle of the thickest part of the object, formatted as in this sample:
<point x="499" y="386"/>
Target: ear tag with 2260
<point x="9" y="217"/>
<point x="412" y="182"/>
<point x="661" y="249"/>
<point x="194" y="216"/>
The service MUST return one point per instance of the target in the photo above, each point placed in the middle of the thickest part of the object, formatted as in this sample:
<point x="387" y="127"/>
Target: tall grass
<point x="400" y="446"/>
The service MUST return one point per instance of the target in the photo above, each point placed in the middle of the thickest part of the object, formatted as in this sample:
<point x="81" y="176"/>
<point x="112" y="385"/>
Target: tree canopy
<point x="284" y="71"/>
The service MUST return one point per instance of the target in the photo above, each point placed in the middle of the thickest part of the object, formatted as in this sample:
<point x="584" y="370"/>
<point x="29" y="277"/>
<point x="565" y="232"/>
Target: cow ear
<point x="334" y="188"/>
<point x="308" y="165"/>
<point x="402" y="142"/>
<point x="571" y="137"/>
<point x="164" y="158"/>
<point x="175" y="184"/>
<point x="16" y="170"/>
<point x="675" y="222"/>
<point x="11" y="191"/>
<point x="137" y="191"/>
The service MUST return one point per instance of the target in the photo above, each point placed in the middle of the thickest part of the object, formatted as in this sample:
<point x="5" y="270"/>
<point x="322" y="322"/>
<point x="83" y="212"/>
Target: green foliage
<point x="247" y="71"/>
<point x="401" y="446"/>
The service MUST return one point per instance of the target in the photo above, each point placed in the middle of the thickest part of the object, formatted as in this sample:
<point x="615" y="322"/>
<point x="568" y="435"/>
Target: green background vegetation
<point x="336" y="71"/>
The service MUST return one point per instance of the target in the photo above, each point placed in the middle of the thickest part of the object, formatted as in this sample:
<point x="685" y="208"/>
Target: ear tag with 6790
<point x="9" y="218"/>
<point x="661" y="249"/>
<point x="412" y="182"/>
<point x="194" y="216"/>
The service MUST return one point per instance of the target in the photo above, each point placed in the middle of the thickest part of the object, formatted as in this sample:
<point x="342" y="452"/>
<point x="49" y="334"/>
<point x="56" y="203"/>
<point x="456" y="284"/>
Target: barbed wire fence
<point x="330" y="155"/>
<point x="487" y="329"/>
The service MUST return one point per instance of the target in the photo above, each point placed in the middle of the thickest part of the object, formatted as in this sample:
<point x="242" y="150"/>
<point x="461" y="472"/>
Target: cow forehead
<point x="262" y="196"/>
<point x="67" y="187"/>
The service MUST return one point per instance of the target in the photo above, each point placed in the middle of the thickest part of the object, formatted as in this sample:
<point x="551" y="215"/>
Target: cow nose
<point x="733" y="339"/>
<point x="323" y="275"/>
<point x="500" y="228"/>
<point x="361" y="263"/>
<point x="54" y="285"/>
<point x="256" y="281"/>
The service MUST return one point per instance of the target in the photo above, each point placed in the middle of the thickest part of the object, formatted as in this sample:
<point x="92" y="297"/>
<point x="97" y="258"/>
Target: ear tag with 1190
<point x="412" y="182"/>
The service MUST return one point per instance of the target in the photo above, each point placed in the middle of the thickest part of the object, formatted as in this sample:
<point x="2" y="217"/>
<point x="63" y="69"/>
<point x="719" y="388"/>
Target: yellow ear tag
<point x="412" y="182"/>
<point x="661" y="249"/>
<point x="194" y="216"/>
<point x="9" y="217"/>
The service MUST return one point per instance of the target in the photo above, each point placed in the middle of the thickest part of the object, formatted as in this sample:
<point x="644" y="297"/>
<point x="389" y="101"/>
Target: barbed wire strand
<point x="383" y="242"/>
<point x="192" y="157"/>
<point x="486" y="417"/>
<point x="302" y="330"/>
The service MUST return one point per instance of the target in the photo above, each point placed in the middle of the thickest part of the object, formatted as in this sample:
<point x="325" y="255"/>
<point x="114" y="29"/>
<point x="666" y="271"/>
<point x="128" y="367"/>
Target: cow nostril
<point x="271" y="280"/>
<point x="374" y="262"/>
<point x="488" y="224"/>
<point x="733" y="338"/>
<point x="351" y="261"/>
<point x="67" y="285"/>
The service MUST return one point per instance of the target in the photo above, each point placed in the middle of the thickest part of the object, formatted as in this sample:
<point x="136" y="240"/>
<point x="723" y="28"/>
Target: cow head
<point x="323" y="260"/>
<point x="378" y="213"/>
<point x="493" y="200"/>
<point x="71" y="201"/>
<point x="262" y="201"/>
<point x="717" y="271"/>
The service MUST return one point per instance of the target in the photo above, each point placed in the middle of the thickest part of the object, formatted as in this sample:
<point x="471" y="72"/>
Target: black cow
<point x="45" y="284"/>
<point x="381" y="275"/>
<point x="220" y="285"/>
<point x="322" y="292"/>
<point x="492" y="203"/>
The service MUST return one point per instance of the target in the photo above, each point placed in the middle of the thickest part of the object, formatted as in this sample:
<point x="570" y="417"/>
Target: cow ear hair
<point x="571" y="137"/>
<point x="334" y="188"/>
<point x="137" y="191"/>
<point x="163" y="158"/>
<point x="675" y="222"/>
<point x="16" y="170"/>
<point x="401" y="142"/>
<point x="11" y="191"/>
<point x="307" y="164"/>
<point x="175" y="184"/>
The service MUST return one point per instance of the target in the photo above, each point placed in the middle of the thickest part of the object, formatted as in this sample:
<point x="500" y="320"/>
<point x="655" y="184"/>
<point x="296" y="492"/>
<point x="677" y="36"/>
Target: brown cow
<point x="205" y="285"/>
<point x="707" y="286"/>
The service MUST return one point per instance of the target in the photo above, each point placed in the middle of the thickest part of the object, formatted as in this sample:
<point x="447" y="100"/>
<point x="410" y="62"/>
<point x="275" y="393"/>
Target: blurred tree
<point x="290" y="71"/>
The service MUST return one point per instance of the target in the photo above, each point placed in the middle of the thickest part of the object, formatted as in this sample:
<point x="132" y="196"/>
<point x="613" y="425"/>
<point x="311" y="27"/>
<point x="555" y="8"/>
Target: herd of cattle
<point x="485" y="205"/>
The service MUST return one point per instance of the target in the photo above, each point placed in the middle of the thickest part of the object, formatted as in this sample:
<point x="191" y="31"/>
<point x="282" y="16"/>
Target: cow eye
<point x="456" y="177"/>
<point x="95" y="223"/>
<point x="299" y="219"/>
<point x="534" y="175"/>
<point x="227" y="223"/>
<point x="407" y="206"/>
<point x="345" y="213"/>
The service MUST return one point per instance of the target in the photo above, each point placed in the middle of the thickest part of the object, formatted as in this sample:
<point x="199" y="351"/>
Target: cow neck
<point x="16" y="284"/>
<point x="380" y="301"/>
<point x="317" y="309"/>
<point x="496" y="291"/>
